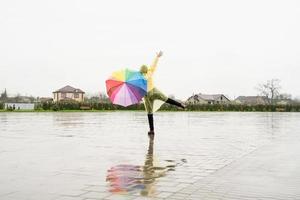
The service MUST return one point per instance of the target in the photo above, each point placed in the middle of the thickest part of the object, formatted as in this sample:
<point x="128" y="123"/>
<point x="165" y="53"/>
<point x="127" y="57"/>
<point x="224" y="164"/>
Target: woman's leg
<point x="160" y="96"/>
<point x="151" y="123"/>
<point x="176" y="103"/>
<point x="148" y="102"/>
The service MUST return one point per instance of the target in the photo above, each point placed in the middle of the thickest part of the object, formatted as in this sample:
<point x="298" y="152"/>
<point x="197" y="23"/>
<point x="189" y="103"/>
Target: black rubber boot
<point x="175" y="103"/>
<point x="151" y="124"/>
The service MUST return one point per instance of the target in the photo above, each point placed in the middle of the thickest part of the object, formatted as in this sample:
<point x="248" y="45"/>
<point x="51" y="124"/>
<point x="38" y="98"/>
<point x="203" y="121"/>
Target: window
<point x="63" y="95"/>
<point x="76" y="95"/>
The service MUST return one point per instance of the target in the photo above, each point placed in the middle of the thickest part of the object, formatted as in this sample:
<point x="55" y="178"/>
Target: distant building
<point x="284" y="102"/>
<point x="252" y="100"/>
<point x="44" y="99"/>
<point x="24" y="99"/>
<point x="68" y="93"/>
<point x="284" y="99"/>
<point x="208" y="99"/>
<point x="20" y="99"/>
<point x="19" y="106"/>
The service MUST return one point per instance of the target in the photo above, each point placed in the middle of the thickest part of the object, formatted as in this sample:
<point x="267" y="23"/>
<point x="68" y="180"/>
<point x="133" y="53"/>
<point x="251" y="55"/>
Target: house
<point x="252" y="100"/>
<point x="284" y="99"/>
<point x="284" y="102"/>
<point x="68" y="93"/>
<point x="208" y="99"/>
<point x="44" y="99"/>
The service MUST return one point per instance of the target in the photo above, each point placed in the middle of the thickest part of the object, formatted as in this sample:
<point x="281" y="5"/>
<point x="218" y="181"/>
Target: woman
<point x="153" y="93"/>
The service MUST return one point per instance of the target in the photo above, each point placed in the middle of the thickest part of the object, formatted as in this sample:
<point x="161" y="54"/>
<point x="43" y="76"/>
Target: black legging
<point x="150" y="116"/>
<point x="175" y="103"/>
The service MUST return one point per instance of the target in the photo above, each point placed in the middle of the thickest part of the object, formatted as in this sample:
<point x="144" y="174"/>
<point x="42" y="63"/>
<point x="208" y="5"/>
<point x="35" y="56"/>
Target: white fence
<point x="19" y="106"/>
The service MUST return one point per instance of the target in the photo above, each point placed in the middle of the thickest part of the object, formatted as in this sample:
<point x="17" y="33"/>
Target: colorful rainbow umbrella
<point x="126" y="87"/>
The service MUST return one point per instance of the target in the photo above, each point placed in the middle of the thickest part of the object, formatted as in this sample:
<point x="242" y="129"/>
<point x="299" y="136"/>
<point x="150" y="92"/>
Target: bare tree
<point x="270" y="89"/>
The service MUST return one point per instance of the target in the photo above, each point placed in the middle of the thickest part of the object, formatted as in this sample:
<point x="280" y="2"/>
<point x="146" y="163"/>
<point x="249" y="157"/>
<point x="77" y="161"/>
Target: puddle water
<point x="104" y="154"/>
<point x="125" y="178"/>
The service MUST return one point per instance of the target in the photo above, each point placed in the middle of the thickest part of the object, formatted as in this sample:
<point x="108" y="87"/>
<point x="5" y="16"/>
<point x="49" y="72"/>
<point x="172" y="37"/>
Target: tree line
<point x="270" y="90"/>
<point x="107" y="106"/>
<point x="61" y="106"/>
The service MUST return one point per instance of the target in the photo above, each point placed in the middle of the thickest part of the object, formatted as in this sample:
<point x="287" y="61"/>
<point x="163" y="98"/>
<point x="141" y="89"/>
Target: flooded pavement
<point x="107" y="155"/>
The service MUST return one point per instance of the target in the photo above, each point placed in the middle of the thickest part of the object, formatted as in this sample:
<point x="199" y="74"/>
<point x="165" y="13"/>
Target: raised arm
<point x="154" y="64"/>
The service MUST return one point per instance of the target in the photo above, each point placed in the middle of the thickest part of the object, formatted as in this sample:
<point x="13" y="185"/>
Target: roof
<point x="69" y="89"/>
<point x="208" y="97"/>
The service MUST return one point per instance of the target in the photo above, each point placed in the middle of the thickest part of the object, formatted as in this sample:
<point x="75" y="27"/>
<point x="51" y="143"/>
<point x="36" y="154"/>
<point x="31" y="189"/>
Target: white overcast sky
<point x="214" y="46"/>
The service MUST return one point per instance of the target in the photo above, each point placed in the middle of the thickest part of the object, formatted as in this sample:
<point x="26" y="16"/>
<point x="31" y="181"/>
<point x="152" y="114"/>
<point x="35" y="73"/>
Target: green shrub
<point x="72" y="105"/>
<point x="243" y="108"/>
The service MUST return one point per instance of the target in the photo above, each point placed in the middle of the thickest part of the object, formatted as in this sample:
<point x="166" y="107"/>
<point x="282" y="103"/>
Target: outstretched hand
<point x="159" y="54"/>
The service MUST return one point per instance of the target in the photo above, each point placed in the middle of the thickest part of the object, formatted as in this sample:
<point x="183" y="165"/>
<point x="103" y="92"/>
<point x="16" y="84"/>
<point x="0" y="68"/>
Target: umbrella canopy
<point x="126" y="87"/>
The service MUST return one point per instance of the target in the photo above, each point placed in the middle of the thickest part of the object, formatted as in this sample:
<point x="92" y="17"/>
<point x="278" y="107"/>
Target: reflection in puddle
<point x="136" y="178"/>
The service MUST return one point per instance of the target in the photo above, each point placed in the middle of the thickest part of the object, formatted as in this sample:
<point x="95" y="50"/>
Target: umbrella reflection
<point x="136" y="178"/>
